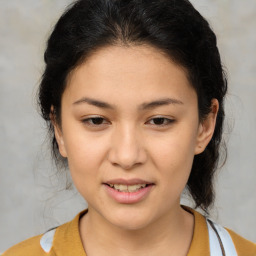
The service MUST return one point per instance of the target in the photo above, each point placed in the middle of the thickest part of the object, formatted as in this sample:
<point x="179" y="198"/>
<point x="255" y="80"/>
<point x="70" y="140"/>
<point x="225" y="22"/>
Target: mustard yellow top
<point x="67" y="241"/>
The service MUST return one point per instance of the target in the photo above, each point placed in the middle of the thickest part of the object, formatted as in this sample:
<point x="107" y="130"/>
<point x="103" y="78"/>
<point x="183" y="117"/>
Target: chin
<point x="131" y="221"/>
<point x="131" y="225"/>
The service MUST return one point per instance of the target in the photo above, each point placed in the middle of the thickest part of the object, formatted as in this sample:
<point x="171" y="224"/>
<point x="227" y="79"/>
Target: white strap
<point x="215" y="248"/>
<point x="47" y="240"/>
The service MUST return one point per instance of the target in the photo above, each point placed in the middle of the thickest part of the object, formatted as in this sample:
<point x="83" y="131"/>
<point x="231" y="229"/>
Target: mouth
<point x="128" y="188"/>
<point x="128" y="191"/>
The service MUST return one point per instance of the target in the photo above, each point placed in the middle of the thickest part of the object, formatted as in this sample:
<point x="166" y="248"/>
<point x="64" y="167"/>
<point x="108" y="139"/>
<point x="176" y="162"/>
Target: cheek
<point x="85" y="154"/>
<point x="84" y="160"/>
<point x="173" y="160"/>
<point x="173" y="156"/>
<point x="175" y="148"/>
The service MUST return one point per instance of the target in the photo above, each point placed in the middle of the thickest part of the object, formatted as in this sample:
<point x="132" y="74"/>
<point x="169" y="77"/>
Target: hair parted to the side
<point x="173" y="27"/>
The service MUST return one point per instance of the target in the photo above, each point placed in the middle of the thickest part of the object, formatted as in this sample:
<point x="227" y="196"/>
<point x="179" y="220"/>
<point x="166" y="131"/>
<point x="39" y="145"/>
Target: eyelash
<point x="89" y="121"/>
<point x="167" y="121"/>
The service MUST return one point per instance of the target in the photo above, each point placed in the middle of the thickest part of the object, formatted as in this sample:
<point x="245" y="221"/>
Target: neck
<point x="170" y="235"/>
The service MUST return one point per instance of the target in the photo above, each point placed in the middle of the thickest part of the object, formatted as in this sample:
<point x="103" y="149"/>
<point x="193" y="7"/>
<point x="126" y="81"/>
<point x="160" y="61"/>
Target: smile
<point x="128" y="191"/>
<point x="127" y="188"/>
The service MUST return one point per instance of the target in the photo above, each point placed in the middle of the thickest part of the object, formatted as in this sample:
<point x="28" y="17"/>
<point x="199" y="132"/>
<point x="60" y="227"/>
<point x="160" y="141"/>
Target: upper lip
<point x="128" y="181"/>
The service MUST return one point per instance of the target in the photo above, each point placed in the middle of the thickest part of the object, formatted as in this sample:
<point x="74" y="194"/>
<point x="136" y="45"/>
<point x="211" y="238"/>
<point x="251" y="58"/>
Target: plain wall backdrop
<point x="32" y="199"/>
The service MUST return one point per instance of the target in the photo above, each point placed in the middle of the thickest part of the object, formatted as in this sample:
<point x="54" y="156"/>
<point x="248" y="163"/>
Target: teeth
<point x="127" y="188"/>
<point x="121" y="187"/>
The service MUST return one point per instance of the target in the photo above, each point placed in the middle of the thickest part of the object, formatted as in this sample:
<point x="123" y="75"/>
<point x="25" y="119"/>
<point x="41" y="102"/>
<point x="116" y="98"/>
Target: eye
<point x="160" y="121"/>
<point x="95" y="121"/>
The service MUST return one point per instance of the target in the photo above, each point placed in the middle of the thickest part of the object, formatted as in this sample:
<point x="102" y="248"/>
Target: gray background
<point x="32" y="198"/>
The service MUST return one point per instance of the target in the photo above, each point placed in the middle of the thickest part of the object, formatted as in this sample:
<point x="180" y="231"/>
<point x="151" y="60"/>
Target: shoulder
<point x="230" y="242"/>
<point x="39" y="245"/>
<point x="29" y="247"/>
<point x="210" y="238"/>
<point x="60" y="239"/>
<point x="243" y="246"/>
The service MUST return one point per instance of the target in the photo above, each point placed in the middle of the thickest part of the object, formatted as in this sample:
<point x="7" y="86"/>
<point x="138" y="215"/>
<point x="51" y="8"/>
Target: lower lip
<point x="128" y="197"/>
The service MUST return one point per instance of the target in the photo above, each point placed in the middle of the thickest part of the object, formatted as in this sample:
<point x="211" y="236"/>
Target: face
<point x="130" y="130"/>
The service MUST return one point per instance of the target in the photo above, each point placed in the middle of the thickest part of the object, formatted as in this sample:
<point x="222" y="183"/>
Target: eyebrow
<point x="143" y="106"/>
<point x="160" y="102"/>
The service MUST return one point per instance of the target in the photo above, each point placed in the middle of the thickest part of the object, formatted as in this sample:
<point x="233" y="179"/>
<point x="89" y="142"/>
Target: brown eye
<point x="160" y="121"/>
<point x="94" y="121"/>
<point x="97" y="120"/>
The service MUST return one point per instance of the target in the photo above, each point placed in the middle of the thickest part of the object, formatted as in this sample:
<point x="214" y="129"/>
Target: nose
<point x="127" y="149"/>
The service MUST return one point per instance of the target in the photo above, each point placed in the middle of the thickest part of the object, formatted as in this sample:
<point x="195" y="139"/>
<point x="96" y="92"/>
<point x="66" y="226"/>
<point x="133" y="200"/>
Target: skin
<point x="129" y="142"/>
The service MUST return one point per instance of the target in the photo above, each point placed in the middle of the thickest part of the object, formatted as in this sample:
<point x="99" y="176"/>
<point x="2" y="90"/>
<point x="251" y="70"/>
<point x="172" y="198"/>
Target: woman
<point x="133" y="93"/>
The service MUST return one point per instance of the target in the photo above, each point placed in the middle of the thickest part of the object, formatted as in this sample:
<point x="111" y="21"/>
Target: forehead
<point x="128" y="59"/>
<point x="142" y="71"/>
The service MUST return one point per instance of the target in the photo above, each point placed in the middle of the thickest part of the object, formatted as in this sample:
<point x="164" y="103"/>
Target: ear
<point x="206" y="128"/>
<point x="58" y="133"/>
